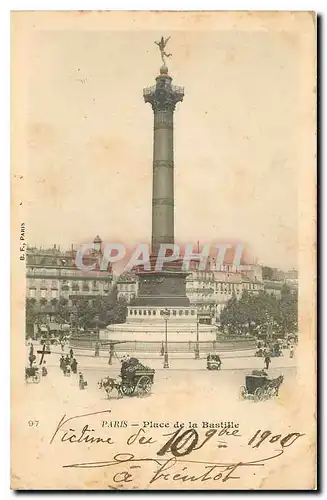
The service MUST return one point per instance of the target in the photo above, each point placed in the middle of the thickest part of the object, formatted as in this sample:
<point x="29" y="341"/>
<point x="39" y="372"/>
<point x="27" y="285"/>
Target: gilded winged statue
<point x="162" y="45"/>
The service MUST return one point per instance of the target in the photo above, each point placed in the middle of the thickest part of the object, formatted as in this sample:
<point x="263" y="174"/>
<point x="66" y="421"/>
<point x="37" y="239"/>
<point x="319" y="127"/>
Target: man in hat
<point x="267" y="360"/>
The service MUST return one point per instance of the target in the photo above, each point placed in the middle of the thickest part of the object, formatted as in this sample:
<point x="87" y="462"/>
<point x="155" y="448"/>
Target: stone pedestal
<point x="147" y="324"/>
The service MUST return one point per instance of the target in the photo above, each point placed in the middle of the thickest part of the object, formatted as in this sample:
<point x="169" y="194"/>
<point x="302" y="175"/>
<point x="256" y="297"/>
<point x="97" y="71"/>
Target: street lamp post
<point x="97" y="327"/>
<point x="197" y="347"/>
<point x="166" y="315"/>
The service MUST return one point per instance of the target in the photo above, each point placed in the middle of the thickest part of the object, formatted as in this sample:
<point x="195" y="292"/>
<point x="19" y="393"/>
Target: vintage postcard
<point x="163" y="251"/>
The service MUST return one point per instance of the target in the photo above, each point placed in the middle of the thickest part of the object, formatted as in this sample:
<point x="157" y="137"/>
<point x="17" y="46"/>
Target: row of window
<point x="210" y="275"/>
<point x="48" y="273"/>
<point x="43" y="293"/>
<point x="75" y="285"/>
<point x="127" y="288"/>
<point x="251" y="286"/>
<point x="203" y="276"/>
<point x="223" y="287"/>
<point x="218" y="286"/>
<point x="149" y="312"/>
<point x="53" y="294"/>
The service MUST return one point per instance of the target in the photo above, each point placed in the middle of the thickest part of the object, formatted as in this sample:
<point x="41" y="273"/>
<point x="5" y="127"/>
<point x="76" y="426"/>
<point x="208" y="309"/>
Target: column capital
<point x="163" y="96"/>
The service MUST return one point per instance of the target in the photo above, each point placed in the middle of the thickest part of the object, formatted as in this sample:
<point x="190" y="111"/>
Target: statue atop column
<point x="163" y="96"/>
<point x="162" y="45"/>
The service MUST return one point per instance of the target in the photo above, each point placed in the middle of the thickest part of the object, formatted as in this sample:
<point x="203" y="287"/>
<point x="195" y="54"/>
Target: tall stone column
<point x="163" y="98"/>
<point x="167" y="287"/>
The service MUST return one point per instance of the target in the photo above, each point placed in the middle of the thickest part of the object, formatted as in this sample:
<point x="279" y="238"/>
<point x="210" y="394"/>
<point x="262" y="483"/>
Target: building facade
<point x="52" y="274"/>
<point x="127" y="287"/>
<point x="209" y="291"/>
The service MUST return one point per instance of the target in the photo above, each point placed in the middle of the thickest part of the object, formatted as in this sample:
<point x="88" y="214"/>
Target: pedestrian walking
<point x="44" y="370"/>
<point x="74" y="365"/>
<point x="81" y="382"/>
<point x="111" y="354"/>
<point x="71" y="353"/>
<point x="97" y="349"/>
<point x="267" y="360"/>
<point x="291" y="351"/>
<point x="162" y="350"/>
<point x="62" y="363"/>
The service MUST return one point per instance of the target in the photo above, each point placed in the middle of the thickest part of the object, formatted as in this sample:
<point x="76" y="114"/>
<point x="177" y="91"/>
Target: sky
<point x="89" y="137"/>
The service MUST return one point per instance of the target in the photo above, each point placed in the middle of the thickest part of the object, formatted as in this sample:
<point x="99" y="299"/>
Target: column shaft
<point x="163" y="180"/>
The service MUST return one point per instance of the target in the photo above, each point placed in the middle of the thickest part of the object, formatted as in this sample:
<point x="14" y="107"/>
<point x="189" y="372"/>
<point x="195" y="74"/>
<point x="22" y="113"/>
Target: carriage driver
<point x="126" y="363"/>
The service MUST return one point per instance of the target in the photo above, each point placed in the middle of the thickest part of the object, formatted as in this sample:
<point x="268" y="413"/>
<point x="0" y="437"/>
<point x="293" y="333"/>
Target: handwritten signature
<point x="209" y="471"/>
<point x="84" y="436"/>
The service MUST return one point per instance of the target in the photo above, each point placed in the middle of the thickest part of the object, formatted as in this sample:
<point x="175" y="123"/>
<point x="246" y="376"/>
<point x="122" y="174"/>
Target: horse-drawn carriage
<point x="135" y="379"/>
<point x="32" y="374"/>
<point x="259" y="387"/>
<point x="213" y="362"/>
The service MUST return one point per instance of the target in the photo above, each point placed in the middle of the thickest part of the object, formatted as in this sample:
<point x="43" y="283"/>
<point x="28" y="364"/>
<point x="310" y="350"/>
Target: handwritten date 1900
<point x="260" y="436"/>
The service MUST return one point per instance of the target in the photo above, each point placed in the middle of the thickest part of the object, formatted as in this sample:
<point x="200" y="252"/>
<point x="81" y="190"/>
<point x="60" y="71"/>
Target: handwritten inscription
<point x="181" y="444"/>
<point x="64" y="421"/>
<point x="260" y="436"/>
<point x="173" y="469"/>
<point x="171" y="456"/>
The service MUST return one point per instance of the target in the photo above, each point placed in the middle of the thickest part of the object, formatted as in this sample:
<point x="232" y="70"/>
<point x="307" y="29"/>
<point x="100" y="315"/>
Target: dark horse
<point x="275" y="384"/>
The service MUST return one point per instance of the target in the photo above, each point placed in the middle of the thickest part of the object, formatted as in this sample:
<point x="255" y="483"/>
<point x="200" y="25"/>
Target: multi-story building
<point x="52" y="273"/>
<point x="291" y="279"/>
<point x="211" y="290"/>
<point x="127" y="286"/>
<point x="274" y="287"/>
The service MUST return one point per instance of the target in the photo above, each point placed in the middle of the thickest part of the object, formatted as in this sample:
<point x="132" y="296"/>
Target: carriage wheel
<point x="243" y="392"/>
<point x="127" y="389"/>
<point x="36" y="378"/>
<point x="144" y="386"/>
<point x="258" y="394"/>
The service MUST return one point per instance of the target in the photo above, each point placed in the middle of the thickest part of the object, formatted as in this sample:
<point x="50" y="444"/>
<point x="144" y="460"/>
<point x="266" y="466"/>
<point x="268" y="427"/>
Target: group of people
<point x="68" y="363"/>
<point x="267" y="358"/>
